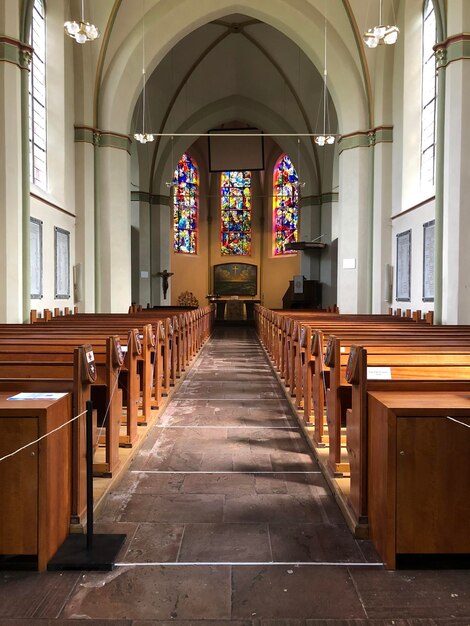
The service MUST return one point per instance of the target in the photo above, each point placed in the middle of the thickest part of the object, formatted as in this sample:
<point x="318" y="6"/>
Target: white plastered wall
<point x="55" y="205"/>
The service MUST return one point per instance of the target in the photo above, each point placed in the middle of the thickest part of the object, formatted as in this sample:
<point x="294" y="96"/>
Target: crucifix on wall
<point x="165" y="275"/>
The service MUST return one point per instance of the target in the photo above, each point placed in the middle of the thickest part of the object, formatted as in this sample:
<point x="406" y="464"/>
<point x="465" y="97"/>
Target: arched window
<point x="185" y="207"/>
<point x="428" y="103"/>
<point x="285" y="204"/>
<point x="235" y="228"/>
<point x="37" y="98"/>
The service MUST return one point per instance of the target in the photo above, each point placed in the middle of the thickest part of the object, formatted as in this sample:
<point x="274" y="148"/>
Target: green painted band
<point x="111" y="140"/>
<point x="324" y="198"/>
<point x="102" y="139"/>
<point x="84" y="134"/>
<point x="365" y="139"/>
<point x="144" y="196"/>
<point x="15" y="52"/>
<point x="457" y="51"/>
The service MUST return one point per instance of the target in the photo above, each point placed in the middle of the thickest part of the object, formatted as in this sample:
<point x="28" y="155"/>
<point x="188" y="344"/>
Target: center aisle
<point x="225" y="509"/>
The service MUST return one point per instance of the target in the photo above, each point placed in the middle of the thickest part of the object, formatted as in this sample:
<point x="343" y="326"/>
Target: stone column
<point x="381" y="225"/>
<point x="456" y="183"/>
<point x="354" y="234"/>
<point x="309" y="229"/>
<point x="14" y="199"/>
<point x="113" y="224"/>
<point x="160" y="220"/>
<point x="84" y="276"/>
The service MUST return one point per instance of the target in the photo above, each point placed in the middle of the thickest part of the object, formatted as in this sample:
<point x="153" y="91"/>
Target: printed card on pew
<point x="37" y="396"/>
<point x="379" y="373"/>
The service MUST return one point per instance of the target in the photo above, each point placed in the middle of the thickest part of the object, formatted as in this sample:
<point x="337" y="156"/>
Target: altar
<point x="236" y="309"/>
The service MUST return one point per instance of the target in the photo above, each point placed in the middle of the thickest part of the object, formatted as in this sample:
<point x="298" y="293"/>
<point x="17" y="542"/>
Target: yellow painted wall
<point x="195" y="272"/>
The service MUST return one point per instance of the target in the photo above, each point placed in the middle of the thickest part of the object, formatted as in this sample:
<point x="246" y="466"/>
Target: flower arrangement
<point x="187" y="298"/>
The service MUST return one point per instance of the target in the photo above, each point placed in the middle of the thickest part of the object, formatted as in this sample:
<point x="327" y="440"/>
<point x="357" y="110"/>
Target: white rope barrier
<point x="457" y="421"/>
<point x="7" y="456"/>
<point x="111" y="399"/>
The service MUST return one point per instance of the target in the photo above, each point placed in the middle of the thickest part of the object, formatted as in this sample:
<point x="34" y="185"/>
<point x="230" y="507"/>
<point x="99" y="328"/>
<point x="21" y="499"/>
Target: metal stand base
<point x="74" y="554"/>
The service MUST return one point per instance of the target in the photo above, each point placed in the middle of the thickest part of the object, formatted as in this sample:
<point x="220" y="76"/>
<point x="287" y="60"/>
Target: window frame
<point x="428" y="67"/>
<point x="295" y="196"/>
<point x="38" y="97"/>
<point x="176" y="204"/>
<point x="248" y="233"/>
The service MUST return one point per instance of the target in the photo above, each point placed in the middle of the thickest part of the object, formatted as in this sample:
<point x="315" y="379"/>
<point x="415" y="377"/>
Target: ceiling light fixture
<point x="326" y="138"/>
<point x="298" y="184"/>
<point x="81" y="31"/>
<point x="174" y="180"/>
<point x="381" y="34"/>
<point x="143" y="137"/>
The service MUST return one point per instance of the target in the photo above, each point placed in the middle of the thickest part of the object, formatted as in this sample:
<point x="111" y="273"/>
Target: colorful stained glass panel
<point x="235" y="213"/>
<point x="285" y="205"/>
<point x="185" y="207"/>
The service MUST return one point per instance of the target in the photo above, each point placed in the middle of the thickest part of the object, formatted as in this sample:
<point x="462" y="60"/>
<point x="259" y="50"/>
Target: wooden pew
<point x="133" y="349"/>
<point x="79" y="385"/>
<point x="36" y="482"/>
<point x="430" y="377"/>
<point x="418" y="475"/>
<point x="399" y="356"/>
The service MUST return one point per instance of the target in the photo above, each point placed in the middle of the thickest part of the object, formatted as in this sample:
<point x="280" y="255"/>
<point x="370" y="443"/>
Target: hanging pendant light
<point x="298" y="184"/>
<point x="143" y="137"/>
<point x="326" y="138"/>
<point x="81" y="31"/>
<point x="378" y="35"/>
<point x="174" y="181"/>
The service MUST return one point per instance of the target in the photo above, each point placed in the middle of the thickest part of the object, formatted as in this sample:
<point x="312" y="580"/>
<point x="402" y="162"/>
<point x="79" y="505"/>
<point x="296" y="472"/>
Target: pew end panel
<point x="419" y="475"/>
<point x="35" y="483"/>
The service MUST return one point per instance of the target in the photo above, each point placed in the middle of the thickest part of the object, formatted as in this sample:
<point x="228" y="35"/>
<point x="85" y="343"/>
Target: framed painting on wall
<point x="428" y="261"/>
<point x="404" y="266"/>
<point x="35" y="246"/>
<point x="235" y="279"/>
<point x="62" y="263"/>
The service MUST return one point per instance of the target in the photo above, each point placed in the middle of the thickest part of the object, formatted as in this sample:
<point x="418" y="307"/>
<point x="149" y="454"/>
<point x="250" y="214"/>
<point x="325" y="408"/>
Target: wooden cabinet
<point x="418" y="473"/>
<point x="35" y="484"/>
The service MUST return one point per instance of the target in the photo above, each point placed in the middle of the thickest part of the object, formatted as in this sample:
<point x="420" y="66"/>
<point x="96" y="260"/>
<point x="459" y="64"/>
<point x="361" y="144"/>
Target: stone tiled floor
<point x="229" y="521"/>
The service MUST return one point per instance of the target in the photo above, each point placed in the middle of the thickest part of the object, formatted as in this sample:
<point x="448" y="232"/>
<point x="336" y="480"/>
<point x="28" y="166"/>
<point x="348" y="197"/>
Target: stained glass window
<point x="236" y="213"/>
<point x="185" y="207"/>
<point x="37" y="97"/>
<point x="285" y="205"/>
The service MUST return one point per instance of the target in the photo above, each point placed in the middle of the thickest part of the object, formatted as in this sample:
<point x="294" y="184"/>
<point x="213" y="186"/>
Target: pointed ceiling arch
<point x="238" y="28"/>
<point x="117" y="85"/>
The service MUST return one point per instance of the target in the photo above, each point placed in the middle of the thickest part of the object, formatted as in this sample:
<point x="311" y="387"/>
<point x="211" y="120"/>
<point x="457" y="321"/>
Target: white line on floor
<point x="256" y="563"/>
<point x="219" y="472"/>
<point x="192" y="400"/>
<point x="234" y="427"/>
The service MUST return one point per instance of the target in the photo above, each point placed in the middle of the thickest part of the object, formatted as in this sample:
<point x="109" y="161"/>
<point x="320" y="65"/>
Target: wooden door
<point x="433" y="486"/>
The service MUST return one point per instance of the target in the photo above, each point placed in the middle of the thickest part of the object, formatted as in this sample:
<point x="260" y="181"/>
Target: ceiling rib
<point x="231" y="30"/>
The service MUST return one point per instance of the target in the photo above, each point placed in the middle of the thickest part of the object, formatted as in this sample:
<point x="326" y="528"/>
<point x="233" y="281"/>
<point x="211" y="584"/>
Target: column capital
<point x="366" y="138"/>
<point x="455" y="48"/>
<point x="102" y="138"/>
<point x="15" y="52"/>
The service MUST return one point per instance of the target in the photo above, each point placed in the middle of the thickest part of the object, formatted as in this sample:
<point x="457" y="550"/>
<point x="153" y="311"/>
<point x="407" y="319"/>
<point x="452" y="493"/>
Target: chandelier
<point x="143" y="137"/>
<point x="81" y="31"/>
<point x="381" y="34"/>
<point x="325" y="138"/>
